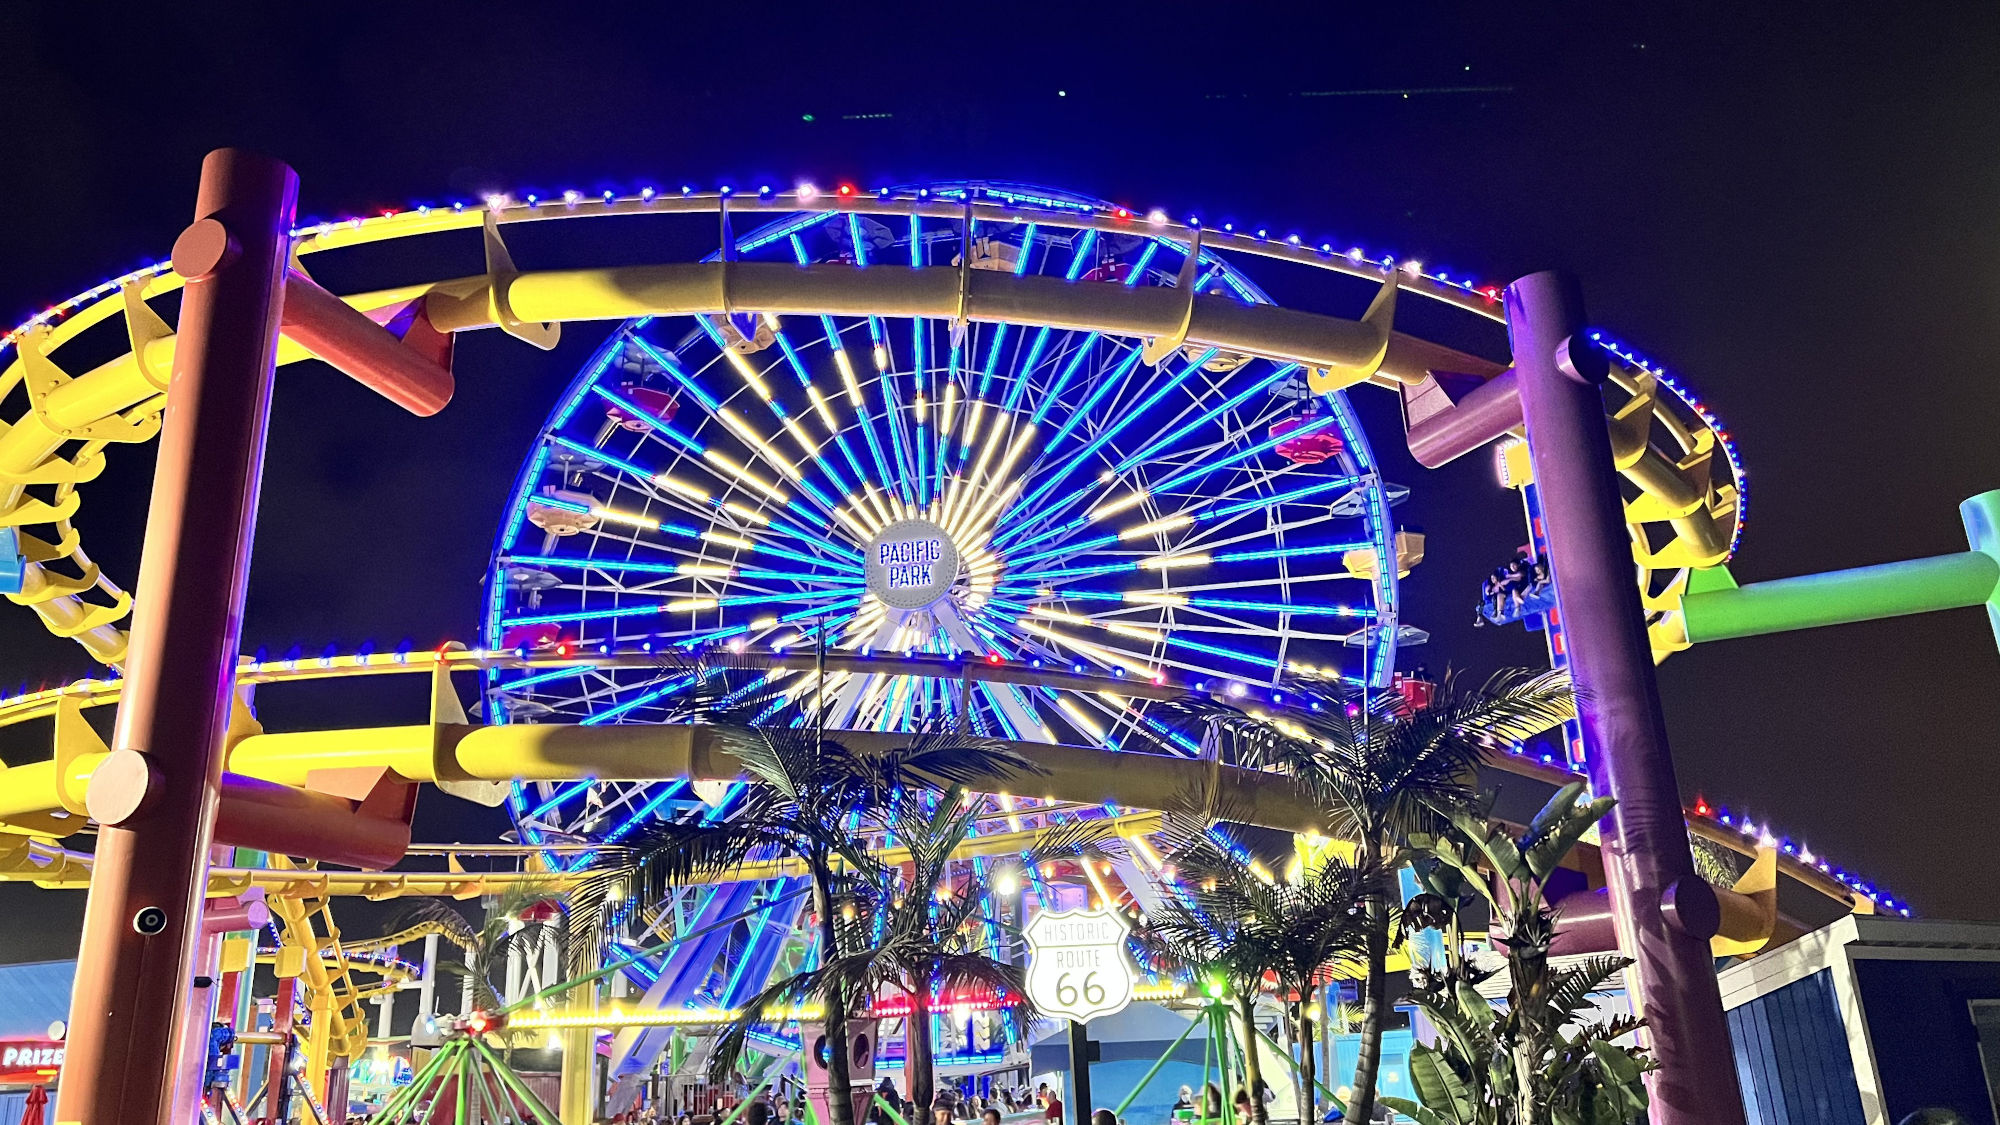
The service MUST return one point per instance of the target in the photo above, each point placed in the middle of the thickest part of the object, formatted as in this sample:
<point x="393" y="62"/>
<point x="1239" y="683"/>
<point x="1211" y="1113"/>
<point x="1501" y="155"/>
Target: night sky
<point x="1796" y="209"/>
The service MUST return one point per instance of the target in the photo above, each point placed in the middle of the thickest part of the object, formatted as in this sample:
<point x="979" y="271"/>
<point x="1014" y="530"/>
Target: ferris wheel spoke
<point x="760" y="448"/>
<point x="1185" y="477"/>
<point x="841" y="713"/>
<point x="669" y="791"/>
<point x="822" y="407"/>
<point x="1201" y="520"/>
<point x="653" y="696"/>
<point x="1068" y="463"/>
<point x="1187" y="598"/>
<point x="655" y="486"/>
<point x="1268" y="383"/>
<point x="1080" y="249"/>
<point x="696" y="637"/>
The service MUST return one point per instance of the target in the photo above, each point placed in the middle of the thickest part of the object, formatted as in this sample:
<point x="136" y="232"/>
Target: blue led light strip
<point x="1138" y="269"/>
<point x="1080" y="254"/>
<point x="1146" y="451"/>
<point x="1071" y="462"/>
<point x="1027" y="368"/>
<point x="1197" y="601"/>
<point x="541" y="678"/>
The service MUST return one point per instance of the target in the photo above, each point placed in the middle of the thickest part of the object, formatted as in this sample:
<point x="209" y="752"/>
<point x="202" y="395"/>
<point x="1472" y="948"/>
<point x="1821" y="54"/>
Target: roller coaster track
<point x="56" y="425"/>
<point x="30" y="794"/>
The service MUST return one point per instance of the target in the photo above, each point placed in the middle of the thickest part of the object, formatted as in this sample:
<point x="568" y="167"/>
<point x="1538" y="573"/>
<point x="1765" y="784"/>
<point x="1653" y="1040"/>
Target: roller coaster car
<point x="1111" y="270"/>
<point x="658" y="405"/>
<point x="1516" y="591"/>
<point x="1306" y="449"/>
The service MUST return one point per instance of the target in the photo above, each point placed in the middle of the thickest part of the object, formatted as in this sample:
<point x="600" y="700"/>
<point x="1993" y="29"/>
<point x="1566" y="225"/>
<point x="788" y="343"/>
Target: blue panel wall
<point x="1792" y="1059"/>
<point x="1920" y="1024"/>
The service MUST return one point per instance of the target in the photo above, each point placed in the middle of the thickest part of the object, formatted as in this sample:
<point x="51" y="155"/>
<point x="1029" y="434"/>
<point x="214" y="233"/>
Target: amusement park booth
<point x="34" y="1001"/>
<point x="1867" y="1020"/>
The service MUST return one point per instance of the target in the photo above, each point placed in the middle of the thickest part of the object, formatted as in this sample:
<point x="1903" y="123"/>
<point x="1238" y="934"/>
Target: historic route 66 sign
<point x="1078" y="968"/>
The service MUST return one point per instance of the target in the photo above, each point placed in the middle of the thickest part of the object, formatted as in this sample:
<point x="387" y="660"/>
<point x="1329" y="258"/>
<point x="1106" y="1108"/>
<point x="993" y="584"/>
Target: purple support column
<point x="1665" y="913"/>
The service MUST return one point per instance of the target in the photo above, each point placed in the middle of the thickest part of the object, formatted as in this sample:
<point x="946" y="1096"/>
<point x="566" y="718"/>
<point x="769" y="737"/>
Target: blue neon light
<point x="626" y="708"/>
<point x="1139" y="267"/>
<point x="540" y="678"/>
<point x="1081" y="254"/>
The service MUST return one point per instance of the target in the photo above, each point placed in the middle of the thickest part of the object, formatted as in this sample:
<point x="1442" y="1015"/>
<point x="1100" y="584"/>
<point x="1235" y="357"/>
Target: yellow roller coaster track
<point x="34" y="797"/>
<point x="1684" y="511"/>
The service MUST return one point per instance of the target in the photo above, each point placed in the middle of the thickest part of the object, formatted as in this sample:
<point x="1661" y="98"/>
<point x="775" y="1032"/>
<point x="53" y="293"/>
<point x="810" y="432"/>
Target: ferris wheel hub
<point x="912" y="564"/>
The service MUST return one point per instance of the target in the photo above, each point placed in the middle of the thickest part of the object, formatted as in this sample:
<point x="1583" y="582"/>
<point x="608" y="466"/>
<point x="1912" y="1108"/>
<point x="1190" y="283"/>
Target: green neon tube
<point x="1716" y="609"/>
<point x="1147" y="1080"/>
<point x="1838" y="597"/>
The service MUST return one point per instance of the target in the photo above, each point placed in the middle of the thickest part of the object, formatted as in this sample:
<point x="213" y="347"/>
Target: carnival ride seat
<point x="658" y="405"/>
<point x="536" y="637"/>
<point x="561" y="512"/>
<point x="1519" y="590"/>
<point x="1306" y="440"/>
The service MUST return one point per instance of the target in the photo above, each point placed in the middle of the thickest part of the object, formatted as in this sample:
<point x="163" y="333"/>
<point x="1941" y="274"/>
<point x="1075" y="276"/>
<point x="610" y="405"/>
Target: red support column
<point x="278" y="1056"/>
<point x="156" y="794"/>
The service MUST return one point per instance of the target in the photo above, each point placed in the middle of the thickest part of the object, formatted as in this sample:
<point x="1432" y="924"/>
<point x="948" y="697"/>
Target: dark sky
<point x="1796" y="208"/>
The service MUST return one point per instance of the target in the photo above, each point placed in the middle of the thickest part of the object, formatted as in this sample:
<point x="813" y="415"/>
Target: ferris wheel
<point x="1012" y="493"/>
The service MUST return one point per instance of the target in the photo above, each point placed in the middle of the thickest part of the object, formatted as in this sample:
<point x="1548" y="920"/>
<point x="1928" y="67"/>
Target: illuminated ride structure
<point x="974" y="455"/>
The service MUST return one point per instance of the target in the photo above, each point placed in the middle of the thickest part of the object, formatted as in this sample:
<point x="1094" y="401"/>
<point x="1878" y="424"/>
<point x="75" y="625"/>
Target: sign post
<point x="1079" y="969"/>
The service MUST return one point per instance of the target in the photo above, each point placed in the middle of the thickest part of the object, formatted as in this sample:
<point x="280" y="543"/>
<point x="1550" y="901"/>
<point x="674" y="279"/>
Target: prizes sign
<point x="1078" y="967"/>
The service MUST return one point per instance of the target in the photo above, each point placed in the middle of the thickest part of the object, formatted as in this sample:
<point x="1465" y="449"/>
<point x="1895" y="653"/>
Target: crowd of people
<point x="950" y="1107"/>
<point x="1005" y="1105"/>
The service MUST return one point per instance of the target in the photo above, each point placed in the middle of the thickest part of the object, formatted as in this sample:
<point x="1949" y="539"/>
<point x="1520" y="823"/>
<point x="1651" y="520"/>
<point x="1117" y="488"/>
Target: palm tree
<point x="510" y="923"/>
<point x="524" y="919"/>
<point x="1382" y="772"/>
<point x="933" y="931"/>
<point x="1535" y="1060"/>
<point x="1294" y="925"/>
<point x="1217" y="954"/>
<point x="807" y="795"/>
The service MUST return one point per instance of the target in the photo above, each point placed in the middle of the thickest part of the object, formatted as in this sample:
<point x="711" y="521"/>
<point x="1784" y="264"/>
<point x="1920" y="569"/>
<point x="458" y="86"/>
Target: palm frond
<point x="458" y="929"/>
<point x="664" y="854"/>
<point x="942" y="757"/>
<point x="1074" y="839"/>
<point x="1570" y="988"/>
<point x="818" y="985"/>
